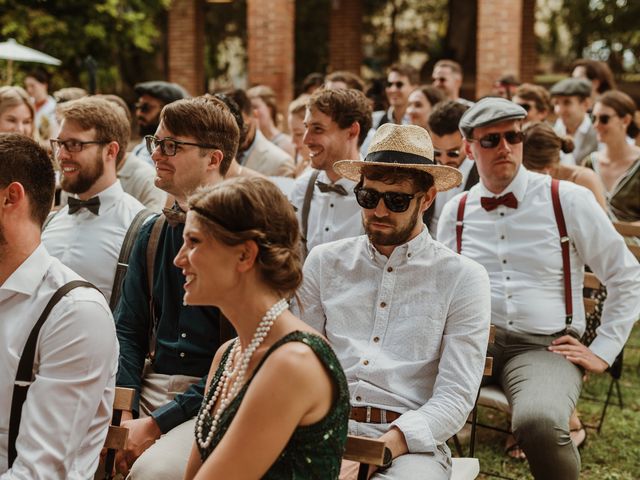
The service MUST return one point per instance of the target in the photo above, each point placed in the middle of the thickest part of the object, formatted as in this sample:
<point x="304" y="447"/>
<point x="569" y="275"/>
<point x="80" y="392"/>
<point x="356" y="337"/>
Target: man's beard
<point x="148" y="129"/>
<point x="398" y="236"/>
<point x="86" y="177"/>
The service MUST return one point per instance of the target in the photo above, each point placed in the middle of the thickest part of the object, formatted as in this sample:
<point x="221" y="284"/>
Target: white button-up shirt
<point x="443" y="197"/>
<point x="65" y="417"/>
<point x="90" y="244"/>
<point x="578" y="138"/>
<point x="410" y="330"/>
<point x="520" y="248"/>
<point x="331" y="216"/>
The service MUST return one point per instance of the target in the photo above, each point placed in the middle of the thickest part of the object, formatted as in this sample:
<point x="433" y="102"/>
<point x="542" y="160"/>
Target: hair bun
<point x="567" y="145"/>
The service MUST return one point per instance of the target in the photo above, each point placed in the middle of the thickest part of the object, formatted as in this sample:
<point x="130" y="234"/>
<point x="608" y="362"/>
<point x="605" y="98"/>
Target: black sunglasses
<point x="395" y="201"/>
<point x="491" y="140"/>
<point x="398" y="85"/>
<point x="526" y="106"/>
<point x="143" y="107"/>
<point x="603" y="119"/>
<point x="453" y="153"/>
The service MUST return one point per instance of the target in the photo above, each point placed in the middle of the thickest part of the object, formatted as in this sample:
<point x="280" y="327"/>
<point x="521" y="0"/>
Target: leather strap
<point x="24" y="374"/>
<point x="373" y="415"/>
<point x="306" y="206"/>
<point x="125" y="253"/>
<point x="152" y="249"/>
<point x="459" y="219"/>
<point x="564" y="245"/>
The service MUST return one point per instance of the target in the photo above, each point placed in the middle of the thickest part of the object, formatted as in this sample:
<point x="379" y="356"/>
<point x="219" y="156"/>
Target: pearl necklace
<point x="222" y="390"/>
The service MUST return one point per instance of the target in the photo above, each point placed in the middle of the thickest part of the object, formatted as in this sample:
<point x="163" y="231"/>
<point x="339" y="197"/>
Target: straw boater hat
<point x="402" y="146"/>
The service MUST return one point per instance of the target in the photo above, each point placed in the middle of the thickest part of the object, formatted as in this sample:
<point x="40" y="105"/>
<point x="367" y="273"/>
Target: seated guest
<point x="408" y="318"/>
<point x="295" y="119"/>
<point x="536" y="101"/>
<point x="343" y="79"/>
<point x="618" y="163"/>
<point x="541" y="153"/>
<point x="16" y="112"/>
<point x="598" y="73"/>
<point x="421" y="103"/>
<point x="534" y="235"/>
<point x="57" y="429"/>
<point x="264" y="103"/>
<point x="277" y="402"/>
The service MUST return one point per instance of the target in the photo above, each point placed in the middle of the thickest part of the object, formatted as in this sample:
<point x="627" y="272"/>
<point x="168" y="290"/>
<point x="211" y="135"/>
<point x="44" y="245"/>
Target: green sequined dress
<point x="314" y="451"/>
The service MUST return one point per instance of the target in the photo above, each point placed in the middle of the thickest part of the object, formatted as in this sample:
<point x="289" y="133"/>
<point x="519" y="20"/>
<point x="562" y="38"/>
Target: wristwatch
<point x="387" y="460"/>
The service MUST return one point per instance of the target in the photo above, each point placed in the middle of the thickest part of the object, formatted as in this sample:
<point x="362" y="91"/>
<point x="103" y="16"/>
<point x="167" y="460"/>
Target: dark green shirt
<point x="187" y="337"/>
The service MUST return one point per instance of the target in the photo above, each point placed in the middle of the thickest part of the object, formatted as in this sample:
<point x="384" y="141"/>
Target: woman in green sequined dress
<point x="276" y="404"/>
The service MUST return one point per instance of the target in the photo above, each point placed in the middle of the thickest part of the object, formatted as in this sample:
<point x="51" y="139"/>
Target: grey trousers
<point x="414" y="466"/>
<point x="542" y="388"/>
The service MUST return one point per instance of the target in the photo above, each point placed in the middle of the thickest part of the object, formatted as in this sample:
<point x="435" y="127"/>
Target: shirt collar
<point x="110" y="195"/>
<point x="26" y="278"/>
<point x="405" y="119"/>
<point x="345" y="182"/>
<point x="585" y="125"/>
<point x="518" y="186"/>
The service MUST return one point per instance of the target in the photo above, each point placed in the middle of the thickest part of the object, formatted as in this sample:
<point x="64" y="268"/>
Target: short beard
<point x="399" y="236"/>
<point x="85" y="179"/>
<point x="149" y="129"/>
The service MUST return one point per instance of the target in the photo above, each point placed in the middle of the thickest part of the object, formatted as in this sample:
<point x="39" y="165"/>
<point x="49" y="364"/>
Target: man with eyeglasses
<point x="448" y="150"/>
<point x="534" y="235"/>
<point x="166" y="347"/>
<point x="571" y="98"/>
<point x="407" y="318"/>
<point x="447" y="76"/>
<point x="152" y="96"/>
<point x="402" y="79"/>
<point x="87" y="233"/>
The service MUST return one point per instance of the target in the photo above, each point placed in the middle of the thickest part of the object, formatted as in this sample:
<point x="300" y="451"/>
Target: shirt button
<point x="376" y="339"/>
<point x="181" y="354"/>
<point x="508" y="278"/>
<point x="390" y="269"/>
<point x="510" y="322"/>
<point x="326" y="229"/>
<point x="502" y="214"/>
<point x="409" y="255"/>
<point x="183" y="335"/>
<point x="509" y="297"/>
<point x="331" y="205"/>
<point x="501" y="237"/>
<point x="358" y="398"/>
<point x="383" y="304"/>
<point x="366" y="362"/>
<point x="504" y="261"/>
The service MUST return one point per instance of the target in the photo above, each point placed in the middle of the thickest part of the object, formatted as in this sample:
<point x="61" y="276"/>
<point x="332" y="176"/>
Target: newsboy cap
<point x="488" y="111"/>
<point x="572" y="86"/>
<point x="165" y="91"/>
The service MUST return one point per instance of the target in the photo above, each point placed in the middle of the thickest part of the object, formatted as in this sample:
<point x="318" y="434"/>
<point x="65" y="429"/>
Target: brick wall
<point x="499" y="41"/>
<point x="270" y="29"/>
<point x="345" y="35"/>
<point x="529" y="57"/>
<point x="185" y="47"/>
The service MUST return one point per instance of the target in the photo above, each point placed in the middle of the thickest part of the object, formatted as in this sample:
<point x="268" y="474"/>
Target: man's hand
<point x="577" y="353"/>
<point x="143" y="432"/>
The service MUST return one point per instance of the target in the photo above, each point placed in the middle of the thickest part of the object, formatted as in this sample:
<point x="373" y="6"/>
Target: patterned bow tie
<point x="491" y="203"/>
<point x="75" y="204"/>
<point x="175" y="215"/>
<point x="331" y="187"/>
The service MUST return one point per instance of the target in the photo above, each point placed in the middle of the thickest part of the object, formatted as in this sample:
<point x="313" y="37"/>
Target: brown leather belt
<point x="373" y="415"/>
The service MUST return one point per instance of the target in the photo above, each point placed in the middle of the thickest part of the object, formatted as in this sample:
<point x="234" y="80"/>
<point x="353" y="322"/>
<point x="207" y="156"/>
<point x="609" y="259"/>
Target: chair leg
<point x="606" y="405"/>
<point x="472" y="436"/>
<point x="458" y="446"/>
<point x="619" y="394"/>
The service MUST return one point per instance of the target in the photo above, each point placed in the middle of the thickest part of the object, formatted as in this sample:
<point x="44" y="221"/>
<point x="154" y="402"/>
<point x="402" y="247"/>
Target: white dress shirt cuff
<point x="605" y="349"/>
<point x="417" y="433"/>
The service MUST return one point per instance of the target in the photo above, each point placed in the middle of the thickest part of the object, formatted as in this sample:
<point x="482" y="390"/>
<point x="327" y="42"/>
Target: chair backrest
<point x="117" y="435"/>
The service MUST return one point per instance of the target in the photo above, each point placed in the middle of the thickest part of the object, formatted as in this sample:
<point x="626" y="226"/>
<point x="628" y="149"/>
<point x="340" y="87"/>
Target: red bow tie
<point x="491" y="203"/>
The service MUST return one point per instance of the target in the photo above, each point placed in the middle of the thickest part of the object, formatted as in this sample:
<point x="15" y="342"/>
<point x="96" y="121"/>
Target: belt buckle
<point x="368" y="414"/>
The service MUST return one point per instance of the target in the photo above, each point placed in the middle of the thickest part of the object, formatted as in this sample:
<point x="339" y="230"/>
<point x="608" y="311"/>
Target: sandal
<point x="513" y="450"/>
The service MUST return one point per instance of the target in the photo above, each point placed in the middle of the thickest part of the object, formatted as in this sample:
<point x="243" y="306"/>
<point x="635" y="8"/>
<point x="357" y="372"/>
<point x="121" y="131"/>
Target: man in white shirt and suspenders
<point x="534" y="235"/>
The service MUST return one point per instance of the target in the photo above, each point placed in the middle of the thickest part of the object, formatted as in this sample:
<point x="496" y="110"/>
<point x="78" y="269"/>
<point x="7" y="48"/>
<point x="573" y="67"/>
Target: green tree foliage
<point x="123" y="36"/>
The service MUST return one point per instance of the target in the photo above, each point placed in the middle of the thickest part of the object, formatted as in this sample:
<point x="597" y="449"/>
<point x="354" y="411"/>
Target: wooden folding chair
<point x="369" y="451"/>
<point x="117" y="435"/>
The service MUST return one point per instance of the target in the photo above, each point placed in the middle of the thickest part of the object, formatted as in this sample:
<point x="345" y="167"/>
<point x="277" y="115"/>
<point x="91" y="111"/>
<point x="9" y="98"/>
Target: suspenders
<point x="564" y="244"/>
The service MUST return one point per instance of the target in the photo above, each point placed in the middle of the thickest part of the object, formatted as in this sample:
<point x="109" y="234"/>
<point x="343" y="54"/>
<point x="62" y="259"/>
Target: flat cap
<point x="165" y="91"/>
<point x="488" y="111"/>
<point x="572" y="86"/>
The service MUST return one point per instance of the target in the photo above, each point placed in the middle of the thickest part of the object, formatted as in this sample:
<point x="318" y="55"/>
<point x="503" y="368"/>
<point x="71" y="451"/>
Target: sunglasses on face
<point x="143" y="107"/>
<point x="439" y="80"/>
<point x="603" y="119"/>
<point x="398" y="85"/>
<point x="394" y="201"/>
<point x="169" y="146"/>
<point x="492" y="140"/>
<point x="526" y="106"/>
<point x="453" y="153"/>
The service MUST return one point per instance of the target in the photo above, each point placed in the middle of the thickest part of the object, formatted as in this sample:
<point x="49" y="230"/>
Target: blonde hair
<point x="14" y="96"/>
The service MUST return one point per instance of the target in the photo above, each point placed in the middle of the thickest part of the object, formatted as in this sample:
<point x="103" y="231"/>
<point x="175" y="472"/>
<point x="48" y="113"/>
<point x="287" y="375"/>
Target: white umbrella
<point x="12" y="50"/>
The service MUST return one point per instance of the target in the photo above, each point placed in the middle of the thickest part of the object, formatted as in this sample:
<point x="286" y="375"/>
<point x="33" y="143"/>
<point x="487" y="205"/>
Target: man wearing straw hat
<point x="408" y="318"/>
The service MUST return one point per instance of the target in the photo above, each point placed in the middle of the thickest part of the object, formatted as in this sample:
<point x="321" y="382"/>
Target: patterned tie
<point x="331" y="187"/>
<point x="175" y="215"/>
<point x="491" y="203"/>
<point x="75" y="204"/>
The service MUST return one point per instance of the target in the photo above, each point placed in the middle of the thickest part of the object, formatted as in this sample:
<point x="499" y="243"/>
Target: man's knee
<point x="540" y="427"/>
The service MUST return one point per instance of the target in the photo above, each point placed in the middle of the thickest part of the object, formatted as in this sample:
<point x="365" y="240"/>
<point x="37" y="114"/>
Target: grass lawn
<point x="614" y="454"/>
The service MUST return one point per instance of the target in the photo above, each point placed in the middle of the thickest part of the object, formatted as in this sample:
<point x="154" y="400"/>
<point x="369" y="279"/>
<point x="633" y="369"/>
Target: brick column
<point x="345" y="35"/>
<point x="499" y="38"/>
<point x="270" y="30"/>
<point x="185" y="45"/>
<point x="529" y="56"/>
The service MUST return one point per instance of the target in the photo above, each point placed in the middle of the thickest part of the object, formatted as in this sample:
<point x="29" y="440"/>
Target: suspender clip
<point x="22" y="383"/>
<point x="564" y="239"/>
<point x="368" y="419"/>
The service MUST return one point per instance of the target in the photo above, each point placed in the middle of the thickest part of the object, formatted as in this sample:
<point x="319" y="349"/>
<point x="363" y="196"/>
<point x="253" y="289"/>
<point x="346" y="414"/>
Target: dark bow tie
<point x="75" y="204"/>
<point x="331" y="187"/>
<point x="175" y="215"/>
<point x="491" y="203"/>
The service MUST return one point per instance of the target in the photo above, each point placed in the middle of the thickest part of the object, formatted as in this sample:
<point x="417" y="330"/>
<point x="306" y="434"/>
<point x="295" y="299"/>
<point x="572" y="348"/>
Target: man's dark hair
<point x="351" y="80"/>
<point x="311" y="81"/>
<point x="421" y="180"/>
<point x="445" y="117"/>
<point x="344" y="106"/>
<point x="406" y="71"/>
<point x="235" y="111"/>
<point x="242" y="100"/>
<point x="22" y="160"/>
<point x="40" y="74"/>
